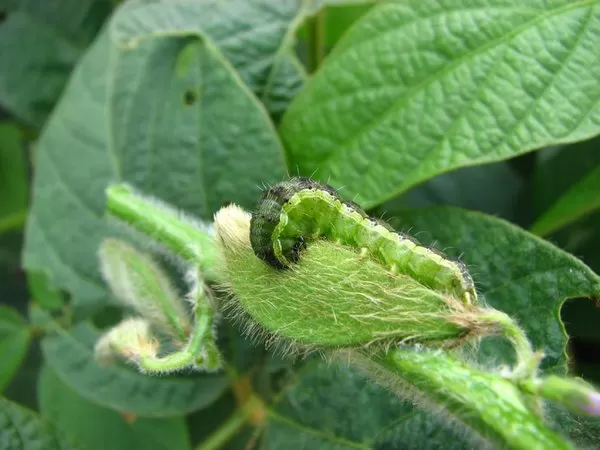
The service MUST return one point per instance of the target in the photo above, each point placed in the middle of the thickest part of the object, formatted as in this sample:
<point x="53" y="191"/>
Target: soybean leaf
<point x="14" y="341"/>
<point x="75" y="20"/>
<point x="98" y="428"/>
<point x="70" y="355"/>
<point x="416" y="89"/>
<point x="13" y="178"/>
<point x="335" y="407"/>
<point x="193" y="116"/>
<point x="256" y="36"/>
<point x="24" y="430"/>
<point x="516" y="272"/>
<point x="73" y="166"/>
<point x="42" y="292"/>
<point x="79" y="154"/>
<point x="583" y="431"/>
<point x="40" y="43"/>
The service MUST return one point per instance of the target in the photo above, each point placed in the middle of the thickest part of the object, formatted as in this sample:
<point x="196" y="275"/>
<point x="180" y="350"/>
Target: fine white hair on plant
<point x="131" y="339"/>
<point x="139" y="282"/>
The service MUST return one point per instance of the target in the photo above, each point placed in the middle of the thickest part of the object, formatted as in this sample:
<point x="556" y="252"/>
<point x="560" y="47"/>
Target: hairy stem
<point x="528" y="361"/>
<point x="489" y="405"/>
<point x="172" y="362"/>
<point x="163" y="225"/>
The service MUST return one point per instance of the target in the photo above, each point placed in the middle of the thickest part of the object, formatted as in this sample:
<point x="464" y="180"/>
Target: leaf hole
<point x="190" y="97"/>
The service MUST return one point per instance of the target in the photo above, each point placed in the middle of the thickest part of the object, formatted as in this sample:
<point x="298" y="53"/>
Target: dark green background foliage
<point x="465" y="122"/>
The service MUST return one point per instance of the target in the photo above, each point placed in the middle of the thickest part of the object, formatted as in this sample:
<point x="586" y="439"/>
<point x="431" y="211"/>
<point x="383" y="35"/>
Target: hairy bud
<point x="130" y="339"/>
<point x="336" y="297"/>
<point x="140" y="283"/>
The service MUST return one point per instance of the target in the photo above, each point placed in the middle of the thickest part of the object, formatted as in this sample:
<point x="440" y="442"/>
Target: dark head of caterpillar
<point x="267" y="216"/>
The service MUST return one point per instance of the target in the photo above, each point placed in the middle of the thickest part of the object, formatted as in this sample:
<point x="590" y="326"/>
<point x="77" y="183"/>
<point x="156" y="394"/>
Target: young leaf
<point x="40" y="43"/>
<point x="416" y="89"/>
<point x="14" y="341"/>
<point x="514" y="271"/>
<point x="71" y="356"/>
<point x="98" y="428"/>
<point x="24" y="430"/>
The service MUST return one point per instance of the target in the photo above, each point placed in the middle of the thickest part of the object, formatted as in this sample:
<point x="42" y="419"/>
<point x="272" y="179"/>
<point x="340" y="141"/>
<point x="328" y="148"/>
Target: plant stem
<point x="488" y="404"/>
<point x="528" y="361"/>
<point x="163" y="225"/>
<point x="172" y="362"/>
<point x="231" y="426"/>
<point x="316" y="41"/>
<point x="13" y="221"/>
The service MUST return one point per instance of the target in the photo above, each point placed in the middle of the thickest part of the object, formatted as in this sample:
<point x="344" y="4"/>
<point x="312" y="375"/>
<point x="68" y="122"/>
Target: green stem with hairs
<point x="163" y="225"/>
<point x="528" y="360"/>
<point x="200" y="339"/>
<point x="171" y="362"/>
<point x="491" y="406"/>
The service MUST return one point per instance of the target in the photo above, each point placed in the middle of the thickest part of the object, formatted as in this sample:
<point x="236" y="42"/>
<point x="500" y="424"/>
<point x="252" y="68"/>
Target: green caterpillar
<point x="295" y="212"/>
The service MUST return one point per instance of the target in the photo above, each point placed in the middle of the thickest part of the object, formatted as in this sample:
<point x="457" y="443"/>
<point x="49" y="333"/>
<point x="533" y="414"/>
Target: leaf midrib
<point x="436" y="76"/>
<point x="329" y="437"/>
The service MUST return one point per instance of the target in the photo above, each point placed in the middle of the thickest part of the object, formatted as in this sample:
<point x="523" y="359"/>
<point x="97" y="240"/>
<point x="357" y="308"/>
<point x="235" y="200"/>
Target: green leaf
<point x="416" y="89"/>
<point x="190" y="116"/>
<point x="578" y="201"/>
<point x="24" y="430"/>
<point x="13" y="178"/>
<point x="42" y="292"/>
<point x="584" y="432"/>
<point x="257" y="37"/>
<point x="40" y="43"/>
<point x="98" y="428"/>
<point x="335" y="407"/>
<point x="14" y="341"/>
<point x="77" y="22"/>
<point x="516" y="272"/>
<point x="71" y="356"/>
<point x="209" y="147"/>
<point x="73" y="166"/>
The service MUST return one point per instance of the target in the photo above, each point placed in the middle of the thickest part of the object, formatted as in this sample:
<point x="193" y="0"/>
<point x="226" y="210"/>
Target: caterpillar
<point x="292" y="213"/>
